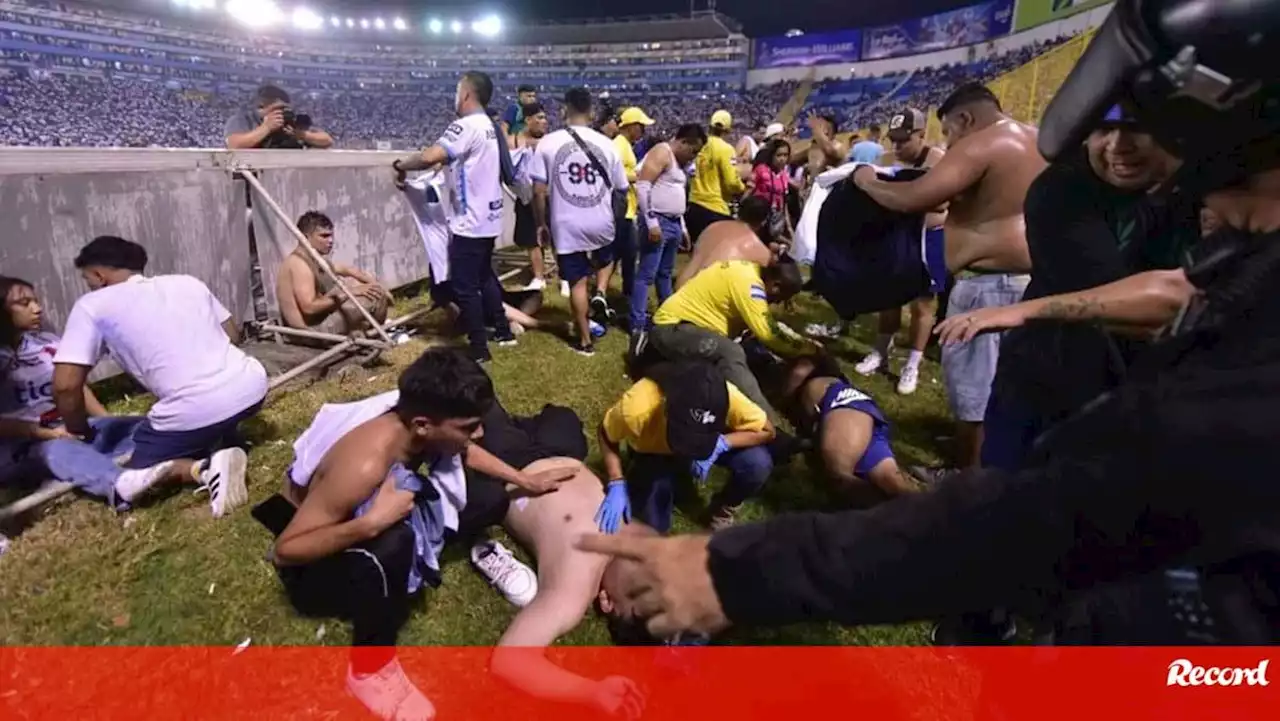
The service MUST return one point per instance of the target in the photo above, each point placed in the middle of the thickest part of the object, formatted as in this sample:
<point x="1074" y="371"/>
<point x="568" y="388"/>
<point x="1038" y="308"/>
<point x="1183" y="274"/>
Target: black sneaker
<point x="506" y="340"/>
<point x="481" y="356"/>
<point x="638" y="344"/>
<point x="599" y="308"/>
<point x="587" y="350"/>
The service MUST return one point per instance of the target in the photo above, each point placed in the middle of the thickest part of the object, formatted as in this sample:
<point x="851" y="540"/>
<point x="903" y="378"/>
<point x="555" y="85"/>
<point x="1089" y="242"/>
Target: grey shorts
<point x="968" y="369"/>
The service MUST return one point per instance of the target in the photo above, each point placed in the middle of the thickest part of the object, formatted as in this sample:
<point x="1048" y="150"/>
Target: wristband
<point x="395" y="165"/>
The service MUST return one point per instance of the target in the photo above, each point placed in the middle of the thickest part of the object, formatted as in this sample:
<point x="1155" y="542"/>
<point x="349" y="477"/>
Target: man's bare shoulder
<point x="361" y="458"/>
<point x="294" y="265"/>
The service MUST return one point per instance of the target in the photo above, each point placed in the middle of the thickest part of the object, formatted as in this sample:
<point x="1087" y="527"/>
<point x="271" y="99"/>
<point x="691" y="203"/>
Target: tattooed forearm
<point x="1083" y="307"/>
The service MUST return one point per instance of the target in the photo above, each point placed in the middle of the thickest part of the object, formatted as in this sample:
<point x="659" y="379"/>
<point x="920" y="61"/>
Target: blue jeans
<point x="651" y="482"/>
<point x="624" y="253"/>
<point x="655" y="265"/>
<point x="479" y="294"/>
<point x="90" y="467"/>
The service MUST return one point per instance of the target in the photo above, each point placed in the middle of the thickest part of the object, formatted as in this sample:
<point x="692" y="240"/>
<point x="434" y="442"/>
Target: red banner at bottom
<point x="880" y="684"/>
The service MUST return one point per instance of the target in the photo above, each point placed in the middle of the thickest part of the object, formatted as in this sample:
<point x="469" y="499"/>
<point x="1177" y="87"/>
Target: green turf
<point x="168" y="573"/>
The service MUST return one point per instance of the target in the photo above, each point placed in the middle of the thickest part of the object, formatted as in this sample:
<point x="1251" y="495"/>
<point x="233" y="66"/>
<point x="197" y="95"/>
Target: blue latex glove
<point x="615" y="509"/>
<point x="702" y="468"/>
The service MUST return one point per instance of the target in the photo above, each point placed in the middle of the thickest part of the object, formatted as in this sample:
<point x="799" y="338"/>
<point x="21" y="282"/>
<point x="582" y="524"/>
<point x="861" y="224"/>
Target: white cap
<point x="773" y="129"/>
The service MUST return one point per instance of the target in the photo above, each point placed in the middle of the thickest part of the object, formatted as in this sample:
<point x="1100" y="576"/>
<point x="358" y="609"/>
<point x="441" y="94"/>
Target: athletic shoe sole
<point x="227" y="469"/>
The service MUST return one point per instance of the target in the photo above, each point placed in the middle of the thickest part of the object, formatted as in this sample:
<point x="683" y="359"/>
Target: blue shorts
<point x="841" y="395"/>
<point x="151" y="446"/>
<point x="576" y="266"/>
<point x="935" y="259"/>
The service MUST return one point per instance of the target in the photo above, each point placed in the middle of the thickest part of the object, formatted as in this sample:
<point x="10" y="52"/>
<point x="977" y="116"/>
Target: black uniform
<point x="1174" y="468"/>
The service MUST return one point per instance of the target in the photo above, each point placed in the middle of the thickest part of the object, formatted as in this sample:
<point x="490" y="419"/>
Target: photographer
<point x="272" y="124"/>
<point x="1149" y="501"/>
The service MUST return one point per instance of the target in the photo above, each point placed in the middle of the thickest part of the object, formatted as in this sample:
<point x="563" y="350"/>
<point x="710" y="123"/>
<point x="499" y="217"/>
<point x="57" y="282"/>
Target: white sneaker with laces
<point x="908" y="381"/>
<point x="514" y="580"/>
<point x="223" y="476"/>
<point x="870" y="363"/>
<point x="390" y="694"/>
<point x="535" y="284"/>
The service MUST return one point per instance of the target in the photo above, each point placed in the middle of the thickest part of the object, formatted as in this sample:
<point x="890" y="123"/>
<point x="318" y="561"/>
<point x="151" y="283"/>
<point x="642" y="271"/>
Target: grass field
<point x="167" y="573"/>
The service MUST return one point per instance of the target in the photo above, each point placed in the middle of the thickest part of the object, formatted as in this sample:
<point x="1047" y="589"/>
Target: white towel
<point x="432" y="218"/>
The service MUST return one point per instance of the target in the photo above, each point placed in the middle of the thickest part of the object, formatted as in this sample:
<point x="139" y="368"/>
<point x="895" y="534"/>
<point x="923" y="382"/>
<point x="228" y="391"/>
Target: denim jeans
<point x="624" y="253"/>
<point x="90" y="467"/>
<point x="651" y="482"/>
<point x="479" y="294"/>
<point x="654" y="266"/>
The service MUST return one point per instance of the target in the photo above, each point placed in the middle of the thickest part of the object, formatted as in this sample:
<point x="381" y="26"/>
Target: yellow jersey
<point x="639" y="418"/>
<point x="629" y="164"/>
<point x="715" y="178"/>
<point x="727" y="298"/>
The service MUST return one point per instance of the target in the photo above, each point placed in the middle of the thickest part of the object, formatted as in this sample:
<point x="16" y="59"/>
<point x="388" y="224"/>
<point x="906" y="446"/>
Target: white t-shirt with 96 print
<point x="580" y="202"/>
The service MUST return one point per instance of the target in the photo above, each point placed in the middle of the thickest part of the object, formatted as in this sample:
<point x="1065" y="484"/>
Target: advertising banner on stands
<point x="953" y="29"/>
<point x="820" y="49"/>
<point x="1038" y="12"/>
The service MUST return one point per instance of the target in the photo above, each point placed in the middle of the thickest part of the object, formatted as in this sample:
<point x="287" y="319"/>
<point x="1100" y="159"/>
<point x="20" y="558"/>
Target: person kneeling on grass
<point x="568" y="580"/>
<point x="35" y="445"/>
<point x="849" y="430"/>
<point x="680" y="420"/>
<point x="172" y="335"/>
<point x="375" y="490"/>
<point x="309" y="296"/>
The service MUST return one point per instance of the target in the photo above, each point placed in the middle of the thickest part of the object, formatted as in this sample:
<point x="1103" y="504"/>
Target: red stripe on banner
<point x="731" y="683"/>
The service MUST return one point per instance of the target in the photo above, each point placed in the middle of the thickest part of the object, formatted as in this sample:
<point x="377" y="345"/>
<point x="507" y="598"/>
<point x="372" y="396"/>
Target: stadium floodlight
<point x="435" y="26"/>
<point x="456" y="26"/>
<point x="335" y="21"/>
<point x="307" y="19"/>
<point x="255" y="13"/>
<point x="351" y="22"/>
<point x="399" y="24"/>
<point x="364" y="23"/>
<point x="487" y="26"/>
<point x="380" y="24"/>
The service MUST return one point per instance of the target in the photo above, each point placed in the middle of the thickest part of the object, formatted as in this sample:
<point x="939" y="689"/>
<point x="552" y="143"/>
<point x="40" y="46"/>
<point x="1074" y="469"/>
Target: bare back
<point x="985" y="226"/>
<point x="724" y="240"/>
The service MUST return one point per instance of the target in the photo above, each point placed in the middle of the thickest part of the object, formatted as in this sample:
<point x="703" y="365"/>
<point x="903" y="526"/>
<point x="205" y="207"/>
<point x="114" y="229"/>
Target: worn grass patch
<point x="167" y="573"/>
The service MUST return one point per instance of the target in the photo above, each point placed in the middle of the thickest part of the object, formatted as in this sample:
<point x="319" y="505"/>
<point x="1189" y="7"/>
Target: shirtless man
<point x="308" y="295"/>
<point x="990" y="163"/>
<point x="741" y="239"/>
<point x="374" y="490"/>
<point x="906" y="132"/>
<point x="848" y="429"/>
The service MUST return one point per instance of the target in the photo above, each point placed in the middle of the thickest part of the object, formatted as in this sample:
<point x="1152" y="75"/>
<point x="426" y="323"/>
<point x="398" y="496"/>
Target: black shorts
<point x="526" y="230"/>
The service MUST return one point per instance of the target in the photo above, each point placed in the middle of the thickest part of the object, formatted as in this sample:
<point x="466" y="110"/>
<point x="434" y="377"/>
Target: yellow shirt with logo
<point x="629" y="164"/>
<point x="727" y="298"/>
<point x="715" y="178"/>
<point x="639" y="418"/>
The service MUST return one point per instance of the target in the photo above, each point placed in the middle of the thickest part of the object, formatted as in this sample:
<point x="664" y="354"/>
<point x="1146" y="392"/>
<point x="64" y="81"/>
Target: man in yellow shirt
<point x="631" y="125"/>
<point x="702" y="319"/>
<point x="716" y="180"/>
<point x="679" y="421"/>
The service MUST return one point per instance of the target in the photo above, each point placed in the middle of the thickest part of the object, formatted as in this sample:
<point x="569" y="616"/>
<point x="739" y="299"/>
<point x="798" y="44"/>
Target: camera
<point x="289" y="117"/>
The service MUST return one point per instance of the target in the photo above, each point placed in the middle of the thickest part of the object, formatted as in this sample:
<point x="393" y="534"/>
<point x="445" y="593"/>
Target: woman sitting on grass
<point x="34" y="445"/>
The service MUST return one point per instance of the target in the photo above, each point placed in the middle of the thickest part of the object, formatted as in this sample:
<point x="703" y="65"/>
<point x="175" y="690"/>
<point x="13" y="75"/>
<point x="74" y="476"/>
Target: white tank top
<point x="669" y="196"/>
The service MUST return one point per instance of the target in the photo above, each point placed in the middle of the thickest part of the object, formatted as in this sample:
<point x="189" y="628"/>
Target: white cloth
<point x="753" y="149"/>
<point x="167" y="333"/>
<point x="522" y="162"/>
<point x="26" y="386"/>
<point x="335" y="420"/>
<point x="475" y="173"/>
<point x="805" y="248"/>
<point x="432" y="217"/>
<point x="580" y="202"/>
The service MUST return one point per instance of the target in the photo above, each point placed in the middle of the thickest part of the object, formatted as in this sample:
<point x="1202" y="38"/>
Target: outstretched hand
<point x="675" y="591"/>
<point x="967" y="326"/>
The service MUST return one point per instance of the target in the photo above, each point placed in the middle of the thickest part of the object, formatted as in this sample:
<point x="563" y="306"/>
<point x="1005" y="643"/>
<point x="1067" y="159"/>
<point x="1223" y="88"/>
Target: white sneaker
<point x="908" y="381"/>
<point x="390" y="694"/>
<point x="870" y="363"/>
<point x="818" y="330"/>
<point x="223" y="476"/>
<point x="514" y="580"/>
<point x="564" y="289"/>
<point x="536" y="284"/>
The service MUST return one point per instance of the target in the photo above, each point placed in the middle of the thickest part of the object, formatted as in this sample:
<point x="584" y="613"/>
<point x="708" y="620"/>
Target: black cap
<point x="697" y="401"/>
<point x="902" y="125"/>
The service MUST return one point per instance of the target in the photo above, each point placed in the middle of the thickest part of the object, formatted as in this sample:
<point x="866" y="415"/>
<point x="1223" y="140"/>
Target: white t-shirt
<point x="475" y="171"/>
<point x="581" y="205"/>
<point x="167" y="333"/>
<point x="26" y="386"/>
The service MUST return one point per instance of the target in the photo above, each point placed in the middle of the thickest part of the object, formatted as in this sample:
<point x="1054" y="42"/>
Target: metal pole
<point x="317" y="335"/>
<point x="319" y="259"/>
<point x="45" y="493"/>
<point x="407" y="317"/>
<point x="298" y="370"/>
